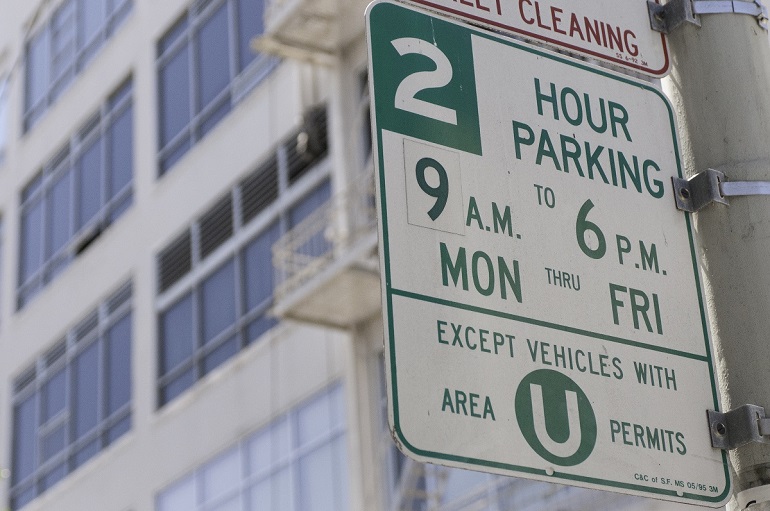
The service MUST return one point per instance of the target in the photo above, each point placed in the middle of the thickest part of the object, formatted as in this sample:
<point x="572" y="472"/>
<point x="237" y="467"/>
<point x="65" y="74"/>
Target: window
<point x="205" y="66"/>
<point x="220" y="310"/>
<point x="74" y="401"/>
<point x="3" y="117"/>
<point x="78" y="194"/>
<point x="298" y="462"/>
<point x="62" y="48"/>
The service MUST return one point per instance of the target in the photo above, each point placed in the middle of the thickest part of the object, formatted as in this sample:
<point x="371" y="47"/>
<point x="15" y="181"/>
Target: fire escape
<point x="310" y="29"/>
<point x="326" y="266"/>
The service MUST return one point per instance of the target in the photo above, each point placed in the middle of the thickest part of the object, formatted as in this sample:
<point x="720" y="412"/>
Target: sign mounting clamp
<point x="709" y="186"/>
<point x="666" y="18"/>
<point x="740" y="426"/>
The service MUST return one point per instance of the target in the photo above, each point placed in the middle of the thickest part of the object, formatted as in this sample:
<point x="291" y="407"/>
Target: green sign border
<point x="390" y="291"/>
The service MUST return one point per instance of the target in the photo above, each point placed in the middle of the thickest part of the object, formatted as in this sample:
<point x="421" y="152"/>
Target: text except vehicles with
<point x="575" y="359"/>
<point x="474" y="338"/>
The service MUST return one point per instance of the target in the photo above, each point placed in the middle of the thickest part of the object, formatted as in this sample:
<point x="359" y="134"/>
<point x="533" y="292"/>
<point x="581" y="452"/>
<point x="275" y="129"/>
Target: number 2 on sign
<point x="412" y="84"/>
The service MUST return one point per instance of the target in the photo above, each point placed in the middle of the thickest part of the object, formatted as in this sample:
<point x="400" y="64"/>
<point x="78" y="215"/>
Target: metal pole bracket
<point x="753" y="8"/>
<point x="699" y="191"/>
<point x="710" y="186"/>
<point x="743" y="425"/>
<point x="667" y="17"/>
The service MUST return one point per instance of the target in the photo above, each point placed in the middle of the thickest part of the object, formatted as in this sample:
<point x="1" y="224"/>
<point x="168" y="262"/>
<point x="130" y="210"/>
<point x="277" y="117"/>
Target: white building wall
<point x="263" y="381"/>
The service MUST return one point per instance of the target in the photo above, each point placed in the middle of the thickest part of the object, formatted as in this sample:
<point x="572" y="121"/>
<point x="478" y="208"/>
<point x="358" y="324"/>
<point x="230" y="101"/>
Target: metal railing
<point x="278" y="10"/>
<point x="325" y="235"/>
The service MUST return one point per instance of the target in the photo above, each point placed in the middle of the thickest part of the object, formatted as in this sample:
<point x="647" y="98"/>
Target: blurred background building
<point x="189" y="287"/>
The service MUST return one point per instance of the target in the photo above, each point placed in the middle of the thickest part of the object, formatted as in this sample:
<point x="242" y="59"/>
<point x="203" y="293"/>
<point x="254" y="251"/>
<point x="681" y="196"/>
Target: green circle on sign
<point x="555" y="417"/>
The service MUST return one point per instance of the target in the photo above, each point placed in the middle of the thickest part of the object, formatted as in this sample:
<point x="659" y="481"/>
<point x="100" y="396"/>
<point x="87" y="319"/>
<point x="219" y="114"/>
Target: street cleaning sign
<point x="616" y="31"/>
<point x="541" y="299"/>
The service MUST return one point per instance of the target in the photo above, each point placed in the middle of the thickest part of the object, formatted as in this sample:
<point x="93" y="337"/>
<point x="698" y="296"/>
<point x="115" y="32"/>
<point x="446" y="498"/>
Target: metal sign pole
<point x="719" y="81"/>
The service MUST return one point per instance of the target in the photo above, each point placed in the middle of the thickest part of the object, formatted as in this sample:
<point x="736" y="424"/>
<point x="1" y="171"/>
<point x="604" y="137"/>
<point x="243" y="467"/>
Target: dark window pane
<point x="317" y="244"/>
<point x="24" y="436"/>
<point x="250" y="25"/>
<point x="220" y="354"/>
<point x="32" y="188"/>
<point x="172" y="35"/>
<point x="214" y="60"/>
<point x="118" y="430"/>
<point x="57" y="266"/>
<point x="86" y="452"/>
<point x="54" y="396"/>
<point x="118" y="370"/>
<point x="55" y="354"/>
<point x="54" y="442"/>
<point x="258" y="267"/>
<point x="120" y="10"/>
<point x="86" y="327"/>
<point x="27" y="295"/>
<point x="313" y="420"/>
<point x="118" y="299"/>
<point x="23" y="498"/>
<point x="63" y="40"/>
<point x="53" y="476"/>
<point x="310" y="203"/>
<point x="37" y="67"/>
<point x="215" y="116"/>
<point x="89" y="182"/>
<point x="120" y="207"/>
<point x="86" y="388"/>
<point x="177" y="386"/>
<point x="176" y="341"/>
<point x="316" y="473"/>
<point x="174" y="96"/>
<point x="31" y="241"/>
<point x="59" y="229"/>
<point x="175" y="155"/>
<point x="121" y="93"/>
<point x="92" y="17"/>
<point x="218" y="301"/>
<point x="121" y="149"/>
<point x="258" y="327"/>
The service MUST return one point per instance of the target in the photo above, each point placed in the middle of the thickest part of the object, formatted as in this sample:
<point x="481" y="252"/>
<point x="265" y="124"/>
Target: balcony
<point x="311" y="30"/>
<point x="327" y="269"/>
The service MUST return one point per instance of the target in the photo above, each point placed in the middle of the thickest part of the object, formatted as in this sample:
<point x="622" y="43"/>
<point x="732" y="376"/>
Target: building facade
<point x="189" y="289"/>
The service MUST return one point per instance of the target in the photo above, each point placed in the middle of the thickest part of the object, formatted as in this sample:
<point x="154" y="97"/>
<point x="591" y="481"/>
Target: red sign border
<point x="658" y="73"/>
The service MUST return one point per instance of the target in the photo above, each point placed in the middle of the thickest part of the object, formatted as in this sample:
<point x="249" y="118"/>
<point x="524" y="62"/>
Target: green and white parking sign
<point x="541" y="299"/>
